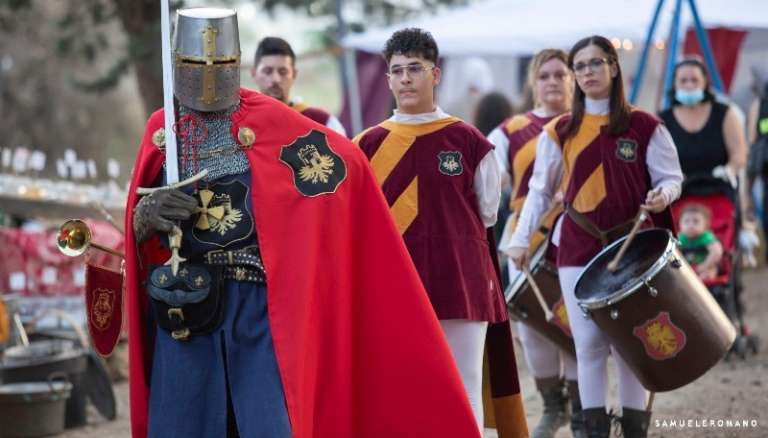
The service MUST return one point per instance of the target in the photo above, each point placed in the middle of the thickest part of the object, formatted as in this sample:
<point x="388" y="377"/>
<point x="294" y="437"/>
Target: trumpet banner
<point x="104" y="306"/>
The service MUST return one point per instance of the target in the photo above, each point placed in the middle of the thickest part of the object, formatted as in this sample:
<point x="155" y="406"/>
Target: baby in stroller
<point x="698" y="243"/>
<point x="721" y="269"/>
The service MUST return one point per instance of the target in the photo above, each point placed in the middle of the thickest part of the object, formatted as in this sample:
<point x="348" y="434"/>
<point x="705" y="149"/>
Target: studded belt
<point x="239" y="264"/>
<point x="244" y="273"/>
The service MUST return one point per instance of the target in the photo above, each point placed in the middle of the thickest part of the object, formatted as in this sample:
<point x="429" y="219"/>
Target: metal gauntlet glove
<point x="158" y="211"/>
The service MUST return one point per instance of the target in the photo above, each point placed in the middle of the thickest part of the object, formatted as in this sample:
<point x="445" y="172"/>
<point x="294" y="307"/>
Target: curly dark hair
<point x="411" y="41"/>
<point x="273" y="46"/>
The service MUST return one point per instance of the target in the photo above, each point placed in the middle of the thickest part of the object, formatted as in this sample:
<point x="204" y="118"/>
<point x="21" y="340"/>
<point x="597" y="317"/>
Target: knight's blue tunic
<point x="202" y="386"/>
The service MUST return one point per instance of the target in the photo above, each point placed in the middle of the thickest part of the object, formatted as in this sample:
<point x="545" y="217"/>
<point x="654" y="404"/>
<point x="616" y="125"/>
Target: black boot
<point x="578" y="428"/>
<point x="634" y="423"/>
<point x="597" y="422"/>
<point x="555" y="413"/>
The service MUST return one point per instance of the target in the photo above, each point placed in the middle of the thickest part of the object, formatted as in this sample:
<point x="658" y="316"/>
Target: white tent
<point x="522" y="27"/>
<point x="502" y="31"/>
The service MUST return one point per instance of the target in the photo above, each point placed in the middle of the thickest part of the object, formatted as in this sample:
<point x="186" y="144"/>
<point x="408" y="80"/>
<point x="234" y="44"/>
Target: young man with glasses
<point x="274" y="70"/>
<point x="441" y="181"/>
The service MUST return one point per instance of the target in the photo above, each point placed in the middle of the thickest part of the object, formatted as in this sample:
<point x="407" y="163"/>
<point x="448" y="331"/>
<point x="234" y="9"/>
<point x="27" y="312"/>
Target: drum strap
<point x="604" y="236"/>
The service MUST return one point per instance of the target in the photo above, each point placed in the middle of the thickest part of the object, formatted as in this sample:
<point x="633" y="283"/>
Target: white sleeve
<point x="547" y="174"/>
<point x="336" y="125"/>
<point x="664" y="164"/>
<point x="501" y="150"/>
<point x="488" y="189"/>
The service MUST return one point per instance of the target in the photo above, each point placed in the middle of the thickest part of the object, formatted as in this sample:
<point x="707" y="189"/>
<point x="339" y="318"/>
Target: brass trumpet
<point x="74" y="239"/>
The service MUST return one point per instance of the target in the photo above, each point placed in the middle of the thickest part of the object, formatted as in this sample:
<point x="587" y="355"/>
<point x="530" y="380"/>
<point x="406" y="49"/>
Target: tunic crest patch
<point x="450" y="163"/>
<point x="316" y="168"/>
<point x="222" y="215"/>
<point x="626" y="149"/>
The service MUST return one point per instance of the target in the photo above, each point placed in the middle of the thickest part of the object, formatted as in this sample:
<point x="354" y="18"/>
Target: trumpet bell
<point x="74" y="238"/>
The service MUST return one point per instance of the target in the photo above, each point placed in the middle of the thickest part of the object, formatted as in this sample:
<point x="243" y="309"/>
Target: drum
<point x="524" y="306"/>
<point x="655" y="311"/>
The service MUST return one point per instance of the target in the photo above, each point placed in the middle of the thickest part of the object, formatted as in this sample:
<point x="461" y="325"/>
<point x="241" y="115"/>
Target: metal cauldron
<point x="40" y="360"/>
<point x="33" y="409"/>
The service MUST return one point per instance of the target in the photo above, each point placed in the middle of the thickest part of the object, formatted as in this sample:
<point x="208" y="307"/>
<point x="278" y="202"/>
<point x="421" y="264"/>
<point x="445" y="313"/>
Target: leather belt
<point x="248" y="256"/>
<point x="244" y="273"/>
<point x="242" y="264"/>
<point x="604" y="236"/>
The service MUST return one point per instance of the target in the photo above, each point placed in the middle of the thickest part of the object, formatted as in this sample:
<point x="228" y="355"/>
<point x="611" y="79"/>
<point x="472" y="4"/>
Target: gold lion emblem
<point x="317" y="167"/>
<point x="102" y="308"/>
<point x="661" y="338"/>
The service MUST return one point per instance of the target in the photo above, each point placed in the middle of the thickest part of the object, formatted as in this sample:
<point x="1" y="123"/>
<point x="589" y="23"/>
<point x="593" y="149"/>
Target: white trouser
<point x="542" y="356"/>
<point x="467" y="342"/>
<point x="592" y="349"/>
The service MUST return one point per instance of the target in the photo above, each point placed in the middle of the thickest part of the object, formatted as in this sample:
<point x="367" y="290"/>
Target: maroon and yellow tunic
<point x="522" y="132"/>
<point x="318" y="115"/>
<point x="605" y="178"/>
<point x="426" y="172"/>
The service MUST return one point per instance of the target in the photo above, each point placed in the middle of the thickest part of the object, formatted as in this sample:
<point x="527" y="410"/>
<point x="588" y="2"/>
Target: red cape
<point x="360" y="351"/>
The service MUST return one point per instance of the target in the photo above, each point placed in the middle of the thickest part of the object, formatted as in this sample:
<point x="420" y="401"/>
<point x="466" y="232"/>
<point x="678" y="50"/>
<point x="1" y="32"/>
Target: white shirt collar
<point x="599" y="107"/>
<point x="416" y="119"/>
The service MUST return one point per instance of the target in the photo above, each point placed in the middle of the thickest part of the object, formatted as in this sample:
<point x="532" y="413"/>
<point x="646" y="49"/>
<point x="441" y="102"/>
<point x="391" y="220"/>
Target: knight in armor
<point x="551" y="84"/>
<point x="297" y="311"/>
<point x="274" y="70"/>
<point x="609" y="159"/>
<point x="440" y="178"/>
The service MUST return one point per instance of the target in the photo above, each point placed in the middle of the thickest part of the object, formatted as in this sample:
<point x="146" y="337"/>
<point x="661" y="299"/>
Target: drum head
<point x="645" y="256"/>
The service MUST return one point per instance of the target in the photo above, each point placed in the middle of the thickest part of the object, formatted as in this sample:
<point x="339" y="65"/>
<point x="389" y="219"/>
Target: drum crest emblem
<point x="661" y="338"/>
<point x="561" y="317"/>
<point x="103" y="307"/>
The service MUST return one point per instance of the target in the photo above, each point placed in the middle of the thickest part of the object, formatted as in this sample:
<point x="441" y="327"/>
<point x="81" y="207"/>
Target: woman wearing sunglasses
<point x="610" y="159"/>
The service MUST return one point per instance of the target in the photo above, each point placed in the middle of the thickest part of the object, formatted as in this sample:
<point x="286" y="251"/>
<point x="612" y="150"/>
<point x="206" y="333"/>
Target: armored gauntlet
<point x="159" y="210"/>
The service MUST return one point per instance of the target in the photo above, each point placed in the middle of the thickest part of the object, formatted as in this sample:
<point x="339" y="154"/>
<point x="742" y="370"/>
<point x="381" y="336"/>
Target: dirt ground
<point x="735" y="390"/>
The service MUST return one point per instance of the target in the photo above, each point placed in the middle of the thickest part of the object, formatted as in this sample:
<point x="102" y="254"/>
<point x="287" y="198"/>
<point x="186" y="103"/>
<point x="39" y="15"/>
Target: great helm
<point x="206" y="52"/>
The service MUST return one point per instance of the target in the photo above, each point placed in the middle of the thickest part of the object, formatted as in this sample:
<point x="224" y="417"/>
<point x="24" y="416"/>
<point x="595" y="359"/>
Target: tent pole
<point x="706" y="49"/>
<point x="674" y="34"/>
<point x="353" y="90"/>
<point x="637" y="85"/>
<point x="348" y="70"/>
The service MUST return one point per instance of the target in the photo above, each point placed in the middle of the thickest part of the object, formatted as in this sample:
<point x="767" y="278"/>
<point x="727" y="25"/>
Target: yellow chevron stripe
<point x="397" y="143"/>
<point x="588" y="132"/>
<point x="523" y="160"/>
<point x="406" y="207"/>
<point x="516" y="123"/>
<point x="300" y="107"/>
<point x="592" y="192"/>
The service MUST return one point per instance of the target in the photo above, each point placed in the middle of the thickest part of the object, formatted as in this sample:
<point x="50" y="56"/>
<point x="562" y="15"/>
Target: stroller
<point x="723" y="202"/>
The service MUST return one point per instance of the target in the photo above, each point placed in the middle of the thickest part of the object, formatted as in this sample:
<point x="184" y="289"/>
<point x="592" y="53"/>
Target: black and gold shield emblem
<point x="316" y="168"/>
<point x="626" y="149"/>
<point x="450" y="163"/>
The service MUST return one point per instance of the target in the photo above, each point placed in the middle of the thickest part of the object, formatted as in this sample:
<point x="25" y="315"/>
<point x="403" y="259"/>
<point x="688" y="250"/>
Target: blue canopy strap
<point x="673" y="44"/>
<point x="706" y="49"/>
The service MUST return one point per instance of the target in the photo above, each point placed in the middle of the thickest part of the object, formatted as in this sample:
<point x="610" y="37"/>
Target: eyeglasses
<point x="593" y="64"/>
<point x="413" y="70"/>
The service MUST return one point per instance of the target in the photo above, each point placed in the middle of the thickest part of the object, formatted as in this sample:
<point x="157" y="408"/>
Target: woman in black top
<point x="707" y="133"/>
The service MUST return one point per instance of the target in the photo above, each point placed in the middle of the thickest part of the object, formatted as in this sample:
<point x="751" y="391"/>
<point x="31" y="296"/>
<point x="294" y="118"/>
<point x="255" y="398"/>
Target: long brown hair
<point x="619" y="109"/>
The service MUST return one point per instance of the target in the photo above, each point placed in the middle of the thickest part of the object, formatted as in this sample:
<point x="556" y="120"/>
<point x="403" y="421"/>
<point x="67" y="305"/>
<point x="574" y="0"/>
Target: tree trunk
<point x="141" y="21"/>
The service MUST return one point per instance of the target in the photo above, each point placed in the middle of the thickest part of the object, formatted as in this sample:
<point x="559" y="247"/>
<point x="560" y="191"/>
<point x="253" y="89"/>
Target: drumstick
<point x="641" y="217"/>
<point x="536" y="291"/>
<point x="649" y="405"/>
